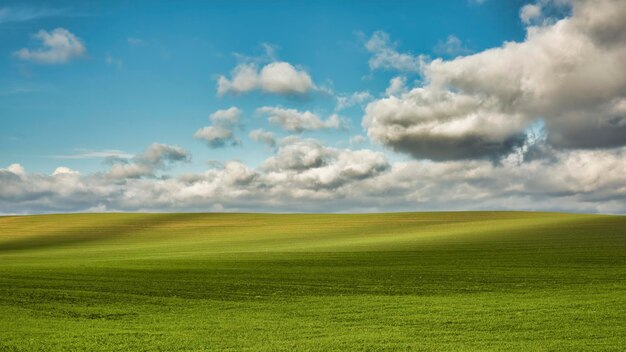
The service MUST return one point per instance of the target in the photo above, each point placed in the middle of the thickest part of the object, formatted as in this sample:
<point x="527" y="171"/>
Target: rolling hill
<point x="269" y="282"/>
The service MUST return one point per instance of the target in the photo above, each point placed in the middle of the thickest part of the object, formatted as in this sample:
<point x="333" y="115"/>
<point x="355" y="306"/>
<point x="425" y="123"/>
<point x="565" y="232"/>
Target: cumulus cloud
<point x="276" y="77"/>
<point x="298" y="121"/>
<point x="57" y="47"/>
<point x="569" y="73"/>
<point x="416" y="123"/>
<point x="307" y="165"/>
<point x="16" y="169"/>
<point x="385" y="55"/>
<point x="298" y="154"/>
<point x="220" y="133"/>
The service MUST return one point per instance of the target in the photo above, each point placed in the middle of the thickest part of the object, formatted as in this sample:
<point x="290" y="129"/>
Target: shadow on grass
<point x="98" y="232"/>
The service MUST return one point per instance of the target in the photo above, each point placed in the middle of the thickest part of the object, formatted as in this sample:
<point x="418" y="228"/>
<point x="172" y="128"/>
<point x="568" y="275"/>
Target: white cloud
<point x="452" y="46"/>
<point x="228" y="117"/>
<point x="264" y="137"/>
<point x="298" y="121"/>
<point x="136" y="42"/>
<point x="305" y="165"/>
<point x="158" y="153"/>
<point x="397" y="85"/>
<point x="220" y="133"/>
<point x="305" y="175"/>
<point x="530" y="12"/>
<point x="568" y="73"/>
<point x="62" y="170"/>
<point x="415" y="122"/>
<point x="156" y="157"/>
<point x="244" y="78"/>
<point x="23" y="13"/>
<point x="57" y="47"/>
<point x="385" y="55"/>
<point x="283" y="78"/>
<point x="216" y="136"/>
<point x="94" y="154"/>
<point x="299" y="154"/>
<point x="124" y="171"/>
<point x="356" y="98"/>
<point x="357" y="140"/>
<point x="276" y="77"/>
<point x="16" y="169"/>
<point x="113" y="61"/>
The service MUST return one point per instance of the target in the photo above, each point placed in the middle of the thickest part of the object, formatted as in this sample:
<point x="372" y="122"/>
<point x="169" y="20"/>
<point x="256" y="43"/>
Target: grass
<point x="462" y="281"/>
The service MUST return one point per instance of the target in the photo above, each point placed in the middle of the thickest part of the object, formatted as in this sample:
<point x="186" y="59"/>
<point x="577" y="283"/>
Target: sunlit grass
<point x="405" y="281"/>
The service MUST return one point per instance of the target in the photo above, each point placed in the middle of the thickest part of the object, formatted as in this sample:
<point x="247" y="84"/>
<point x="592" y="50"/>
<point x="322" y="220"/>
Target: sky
<point x="326" y="106"/>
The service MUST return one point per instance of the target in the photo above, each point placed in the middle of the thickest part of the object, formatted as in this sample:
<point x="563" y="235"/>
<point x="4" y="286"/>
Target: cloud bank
<point x="305" y="175"/>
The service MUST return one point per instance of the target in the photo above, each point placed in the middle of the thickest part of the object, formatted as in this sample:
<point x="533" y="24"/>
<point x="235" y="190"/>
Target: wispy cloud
<point x="476" y="2"/>
<point x="452" y="46"/>
<point x="22" y="13"/>
<point x="19" y="90"/>
<point x="136" y="42"/>
<point x="385" y="55"/>
<point x="292" y="120"/>
<point x="93" y="154"/>
<point x="113" y="61"/>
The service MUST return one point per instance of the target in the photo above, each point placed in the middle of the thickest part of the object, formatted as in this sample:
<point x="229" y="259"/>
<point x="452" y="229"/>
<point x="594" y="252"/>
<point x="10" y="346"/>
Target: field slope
<point x="253" y="282"/>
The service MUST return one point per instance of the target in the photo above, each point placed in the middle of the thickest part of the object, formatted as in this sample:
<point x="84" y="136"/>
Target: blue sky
<point x="332" y="106"/>
<point x="166" y="58"/>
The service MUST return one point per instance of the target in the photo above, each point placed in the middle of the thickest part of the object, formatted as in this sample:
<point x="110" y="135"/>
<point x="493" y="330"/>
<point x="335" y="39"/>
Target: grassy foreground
<point x="250" y="282"/>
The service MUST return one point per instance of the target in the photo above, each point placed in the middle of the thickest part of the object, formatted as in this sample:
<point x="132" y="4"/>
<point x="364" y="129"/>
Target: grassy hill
<point x="253" y="282"/>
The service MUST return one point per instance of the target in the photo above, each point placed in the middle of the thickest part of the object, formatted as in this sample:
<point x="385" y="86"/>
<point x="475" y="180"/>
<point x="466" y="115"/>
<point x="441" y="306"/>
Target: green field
<point x="371" y="282"/>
